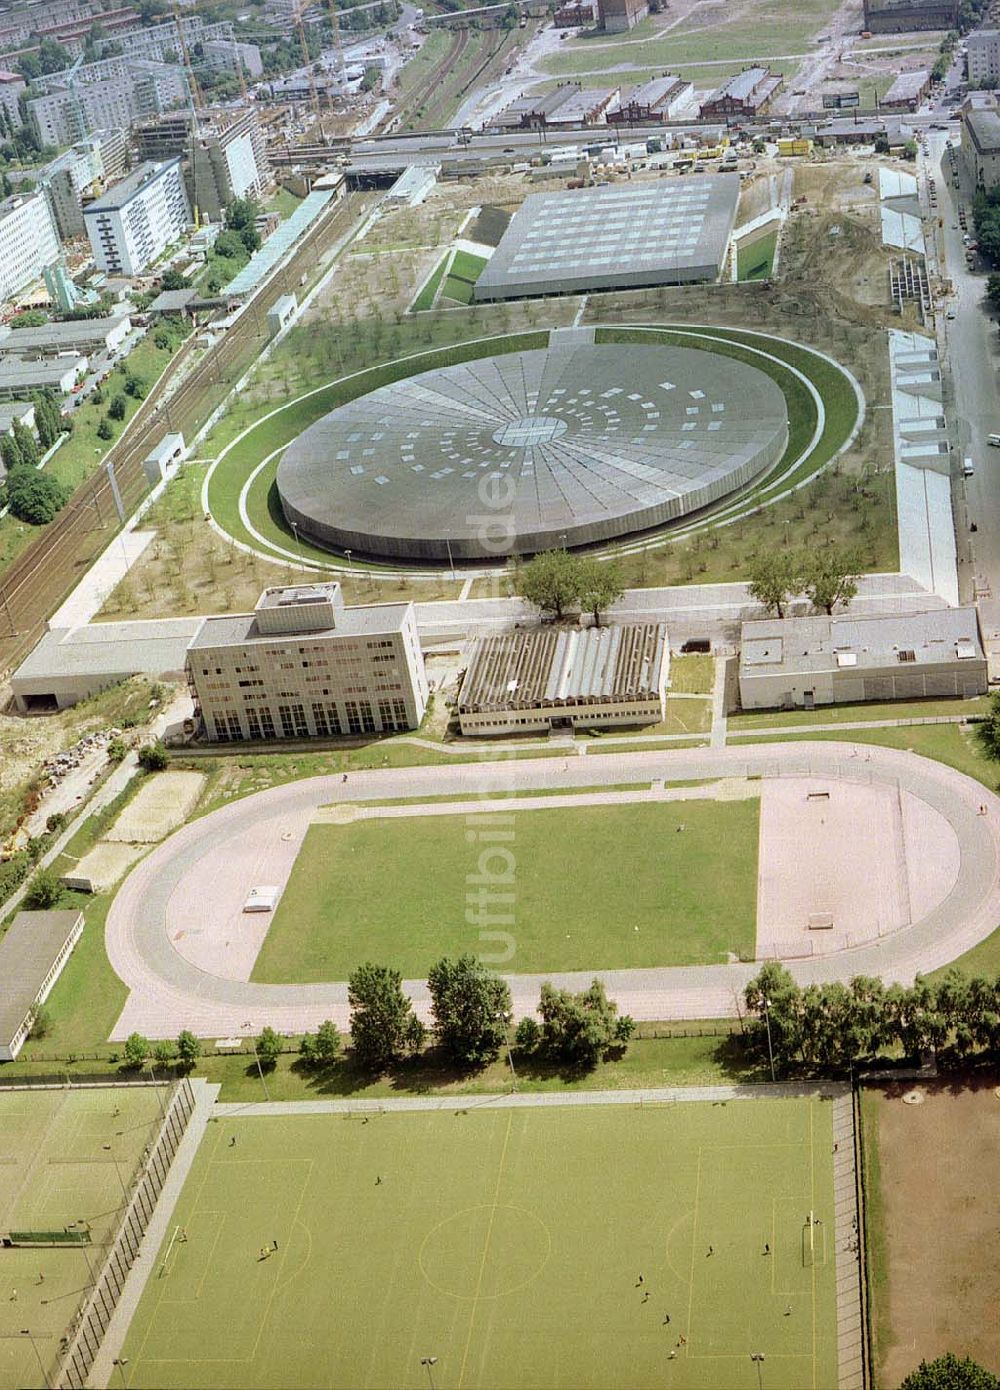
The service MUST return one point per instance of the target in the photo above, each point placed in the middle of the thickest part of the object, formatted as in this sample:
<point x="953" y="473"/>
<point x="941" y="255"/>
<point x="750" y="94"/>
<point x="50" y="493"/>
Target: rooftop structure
<point x="22" y="376"/>
<point x="552" y="678"/>
<point x="71" y="664"/>
<point x="655" y="100"/>
<point x="278" y="245"/>
<point x="802" y="662"/>
<point x="33" y="951"/>
<point x="581" y="443"/>
<point x="671" y="231"/>
<point x="747" y="93"/>
<point x="85" y="335"/>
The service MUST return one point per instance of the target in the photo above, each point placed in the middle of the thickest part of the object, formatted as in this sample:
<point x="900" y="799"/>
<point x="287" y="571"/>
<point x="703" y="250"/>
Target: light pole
<point x="26" y="1332"/>
<point x="298" y="542"/>
<point x="430" y="1362"/>
<point x="347" y="556"/>
<point x="505" y="1019"/>
<point x="758" y="1358"/>
<point x="770" y="1049"/>
<point x="256" y="1057"/>
<point x="121" y="1362"/>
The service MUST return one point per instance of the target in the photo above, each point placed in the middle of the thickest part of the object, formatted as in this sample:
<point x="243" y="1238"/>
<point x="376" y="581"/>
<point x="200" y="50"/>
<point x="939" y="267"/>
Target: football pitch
<point x="597" y="888"/>
<point x="67" y="1159"/>
<point x="531" y="1246"/>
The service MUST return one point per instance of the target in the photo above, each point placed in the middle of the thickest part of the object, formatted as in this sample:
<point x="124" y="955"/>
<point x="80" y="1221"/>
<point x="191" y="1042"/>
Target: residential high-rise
<point x="138" y="219"/>
<point x="28" y="241"/>
<point x="225" y="159"/>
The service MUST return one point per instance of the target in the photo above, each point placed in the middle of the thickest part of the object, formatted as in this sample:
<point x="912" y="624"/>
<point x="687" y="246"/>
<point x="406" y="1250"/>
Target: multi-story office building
<point x="28" y="241"/>
<point x="225" y="159"/>
<point x="138" y="219"/>
<point x="303" y="665"/>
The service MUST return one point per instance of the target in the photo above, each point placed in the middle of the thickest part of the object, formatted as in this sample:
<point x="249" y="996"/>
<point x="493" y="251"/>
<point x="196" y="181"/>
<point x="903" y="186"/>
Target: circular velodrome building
<point x="529" y="451"/>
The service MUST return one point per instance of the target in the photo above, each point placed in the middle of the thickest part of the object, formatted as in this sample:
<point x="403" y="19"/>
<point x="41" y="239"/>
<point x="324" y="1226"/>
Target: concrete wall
<point x="784" y="690"/>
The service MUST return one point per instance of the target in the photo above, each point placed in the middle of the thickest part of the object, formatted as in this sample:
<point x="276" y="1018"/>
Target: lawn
<point x="66" y="1156"/>
<point x="594" y="888"/>
<point x="846" y="714"/>
<point x="428" y="290"/>
<point x="494" y="1241"/>
<point x="462" y="275"/>
<point x="755" y="256"/>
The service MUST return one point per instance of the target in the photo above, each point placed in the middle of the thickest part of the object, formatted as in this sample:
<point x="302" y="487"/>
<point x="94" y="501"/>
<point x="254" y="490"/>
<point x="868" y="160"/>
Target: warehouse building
<point x="615" y="236"/>
<point x="551" y="678"/>
<point x="908" y="91"/>
<point x="657" y="100"/>
<point x="70" y="664"/>
<point x="86" y="336"/>
<point x="801" y="663"/>
<point x="19" y="377"/>
<point x="980" y="149"/>
<point x="618" y="16"/>
<point x="584" y="106"/>
<point x="33" y="951"/>
<point x="902" y="16"/>
<point x="748" y="93"/>
<point x="304" y="665"/>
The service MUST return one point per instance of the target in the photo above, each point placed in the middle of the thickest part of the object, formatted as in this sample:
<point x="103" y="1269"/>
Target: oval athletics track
<point x="172" y="935"/>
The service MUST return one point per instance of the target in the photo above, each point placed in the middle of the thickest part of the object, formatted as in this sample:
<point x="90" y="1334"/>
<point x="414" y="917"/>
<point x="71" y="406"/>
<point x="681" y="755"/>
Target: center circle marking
<point x="529" y="430"/>
<point x="485" y="1252"/>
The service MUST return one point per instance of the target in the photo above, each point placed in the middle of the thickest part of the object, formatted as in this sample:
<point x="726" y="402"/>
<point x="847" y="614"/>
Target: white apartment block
<point x="28" y="242"/>
<point x="984" y="55"/>
<point x="115" y="102"/>
<point x="229" y="55"/>
<point x="304" y="665"/>
<point x="139" y="218"/>
<point x="12" y="84"/>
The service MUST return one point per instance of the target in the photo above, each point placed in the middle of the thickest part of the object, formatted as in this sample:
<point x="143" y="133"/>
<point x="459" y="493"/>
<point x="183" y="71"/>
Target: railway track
<point x="424" y="90"/>
<point x="41" y="576"/>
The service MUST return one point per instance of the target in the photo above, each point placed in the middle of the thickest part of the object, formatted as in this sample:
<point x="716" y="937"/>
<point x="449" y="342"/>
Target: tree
<point x="136" y="1050"/>
<point x="601" y="585"/>
<point x="34" y="497"/>
<point x="383" y="1024"/>
<point x="10" y="453"/>
<point x="578" y="1029"/>
<point x="26" y="445"/>
<point x="830" y="578"/>
<point x="551" y="581"/>
<point x="471" y="1006"/>
<point x="105" y="430"/>
<point x="949" y="1373"/>
<point x="173" y="280"/>
<point x="41" y="1021"/>
<point x="188" y="1048"/>
<point x="250" y="238"/>
<point x="153" y="757"/>
<point x="229" y="245"/>
<point x="118" y="407"/>
<point x="327" y="1045"/>
<point x="164" y="1053"/>
<point x="268" y="1049"/>
<point x="48" y="419"/>
<point x="135" y="386"/>
<point x="993" y="289"/>
<point x="44" y="892"/>
<point x="773" y="579"/>
<point x="241" y="213"/>
<point x="527" y="1034"/>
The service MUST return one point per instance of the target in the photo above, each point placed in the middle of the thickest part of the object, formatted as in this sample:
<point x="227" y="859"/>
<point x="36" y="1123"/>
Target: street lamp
<point x="347" y="555"/>
<point x="26" y="1332"/>
<point x="505" y="1019"/>
<point x="770" y="1049"/>
<point x="430" y="1362"/>
<point x="758" y="1358"/>
<point x="295" y="532"/>
<point x="121" y="1362"/>
<point x="256" y="1057"/>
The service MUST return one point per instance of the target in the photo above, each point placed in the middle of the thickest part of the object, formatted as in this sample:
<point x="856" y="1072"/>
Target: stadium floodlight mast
<point x="121" y="1362"/>
<point x="504" y="1017"/>
<point x="770" y="1049"/>
<point x="27" y="1332"/>
<point x="758" y="1358"/>
<point x="430" y="1362"/>
<point x="256" y="1057"/>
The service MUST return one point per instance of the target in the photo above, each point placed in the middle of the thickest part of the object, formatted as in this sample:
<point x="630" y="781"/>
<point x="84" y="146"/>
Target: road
<point x="170" y="939"/>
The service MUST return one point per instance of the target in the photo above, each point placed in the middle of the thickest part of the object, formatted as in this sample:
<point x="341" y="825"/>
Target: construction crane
<point x="308" y="62"/>
<point x="194" y="92"/>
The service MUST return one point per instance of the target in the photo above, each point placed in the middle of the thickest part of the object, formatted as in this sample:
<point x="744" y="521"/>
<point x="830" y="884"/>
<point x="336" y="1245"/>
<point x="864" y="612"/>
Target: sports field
<point x="508" y="1244"/>
<point x="593" y="887"/>
<point x="65" y="1157"/>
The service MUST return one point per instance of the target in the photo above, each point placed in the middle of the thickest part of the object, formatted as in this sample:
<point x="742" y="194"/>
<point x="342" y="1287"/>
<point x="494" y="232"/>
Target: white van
<point x="993" y="439"/>
<point x="968" y="468"/>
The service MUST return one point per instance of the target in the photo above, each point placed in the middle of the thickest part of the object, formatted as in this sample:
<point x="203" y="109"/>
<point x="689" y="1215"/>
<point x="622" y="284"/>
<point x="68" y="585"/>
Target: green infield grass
<point x="593" y="888"/>
<point x="67" y="1159"/>
<point x="506" y="1244"/>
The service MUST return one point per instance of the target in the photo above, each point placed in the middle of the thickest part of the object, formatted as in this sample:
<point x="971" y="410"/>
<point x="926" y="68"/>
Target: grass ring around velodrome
<point x="825" y="411"/>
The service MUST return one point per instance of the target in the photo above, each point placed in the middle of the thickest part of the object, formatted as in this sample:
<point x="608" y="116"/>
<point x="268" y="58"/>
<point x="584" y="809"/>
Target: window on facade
<point x="353" y="717"/>
<point x="235" y="727"/>
<point x="266" y="723"/>
<point x="285" y="715"/>
<point x="221" y="732"/>
<point x="319" y="719"/>
<point x="367" y="716"/>
<point x="253" y="723"/>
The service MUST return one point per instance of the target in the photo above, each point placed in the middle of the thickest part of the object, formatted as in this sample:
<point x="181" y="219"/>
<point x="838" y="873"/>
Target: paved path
<point x="169" y="993"/>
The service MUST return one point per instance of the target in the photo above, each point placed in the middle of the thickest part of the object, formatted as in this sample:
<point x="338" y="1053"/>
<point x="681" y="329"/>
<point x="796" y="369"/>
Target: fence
<point x="861" y="1191"/>
<point x="91" y="1323"/>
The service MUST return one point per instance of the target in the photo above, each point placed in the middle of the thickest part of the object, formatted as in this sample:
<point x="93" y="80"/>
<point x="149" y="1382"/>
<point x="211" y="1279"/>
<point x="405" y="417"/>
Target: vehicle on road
<point x="993" y="440"/>
<point x="968" y="468"/>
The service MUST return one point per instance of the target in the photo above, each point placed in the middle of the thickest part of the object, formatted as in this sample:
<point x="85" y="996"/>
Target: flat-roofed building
<point x="139" y="218"/>
<point x="656" y="100"/>
<point x="902" y="16"/>
<point x="558" y="678"/>
<point x="748" y="93"/>
<point x="908" y="91"/>
<point x="617" y="236"/>
<point x="33" y="951"/>
<point x="20" y="376"/>
<point x="981" y="147"/>
<point x="532" y="111"/>
<point x="85" y="336"/>
<point x="618" y="16"/>
<point x="984" y="55"/>
<point x="304" y="665"/>
<point x="69" y="664"/>
<point x="805" y="662"/>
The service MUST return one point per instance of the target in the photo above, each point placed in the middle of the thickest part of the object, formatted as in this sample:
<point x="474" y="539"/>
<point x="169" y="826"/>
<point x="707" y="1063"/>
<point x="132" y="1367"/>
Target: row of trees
<point x="556" y="581"/>
<point x="835" y="1026"/>
<point x="826" y="577"/>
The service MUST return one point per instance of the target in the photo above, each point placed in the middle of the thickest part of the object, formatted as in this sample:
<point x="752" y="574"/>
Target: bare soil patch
<point x="940" y="1210"/>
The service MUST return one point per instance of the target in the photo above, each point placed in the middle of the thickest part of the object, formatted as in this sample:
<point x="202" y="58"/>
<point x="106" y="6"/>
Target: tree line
<point x="835" y="1026"/>
<point x="471" y="1011"/>
<point x="826" y="577"/>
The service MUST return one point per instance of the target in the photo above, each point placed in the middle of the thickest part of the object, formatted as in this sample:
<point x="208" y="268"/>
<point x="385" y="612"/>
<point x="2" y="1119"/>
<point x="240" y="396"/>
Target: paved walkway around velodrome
<point x="168" y="992"/>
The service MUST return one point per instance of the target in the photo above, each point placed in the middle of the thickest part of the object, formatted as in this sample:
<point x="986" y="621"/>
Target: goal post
<point x="165" y="1263"/>
<point x="809" y="1241"/>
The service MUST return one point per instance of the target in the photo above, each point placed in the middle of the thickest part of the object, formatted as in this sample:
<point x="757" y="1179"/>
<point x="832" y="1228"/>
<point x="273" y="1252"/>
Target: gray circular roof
<point x="532" y="450"/>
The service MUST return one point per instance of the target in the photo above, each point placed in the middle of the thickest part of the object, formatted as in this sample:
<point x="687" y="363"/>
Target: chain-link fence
<point x="91" y="1323"/>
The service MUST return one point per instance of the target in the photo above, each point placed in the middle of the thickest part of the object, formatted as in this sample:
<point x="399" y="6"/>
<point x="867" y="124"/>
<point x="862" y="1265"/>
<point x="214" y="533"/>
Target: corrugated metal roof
<point x="28" y="951"/>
